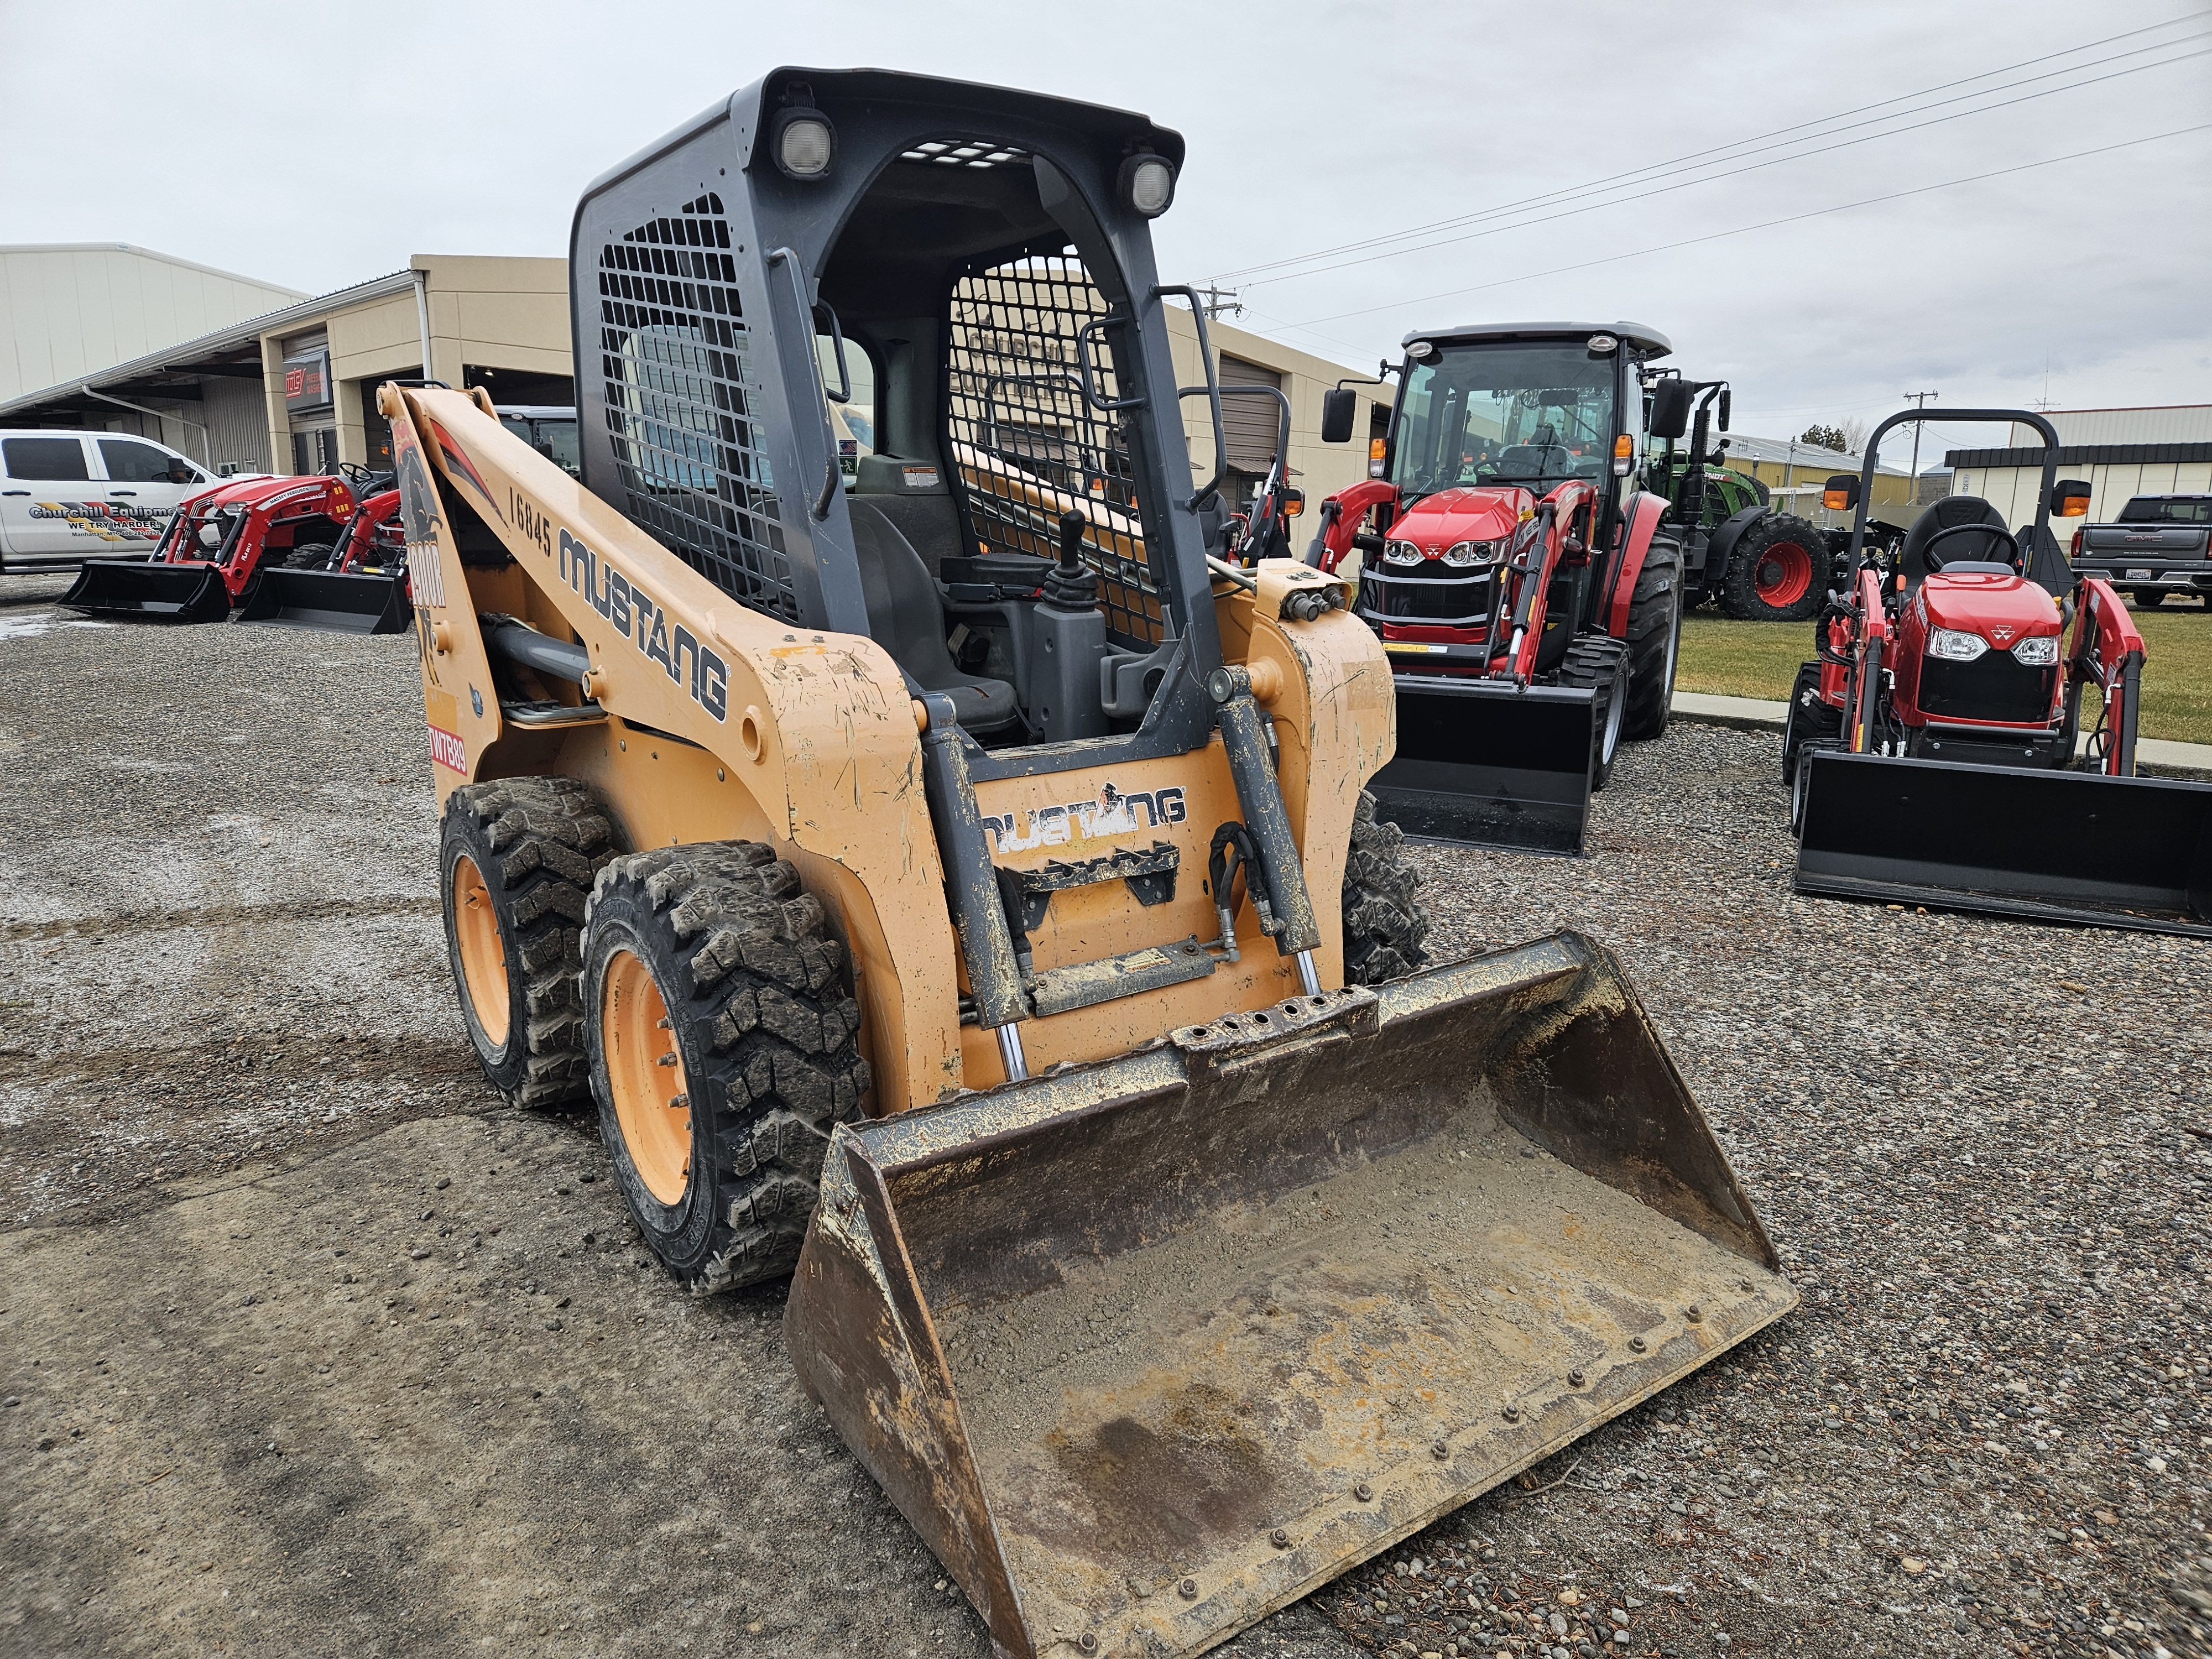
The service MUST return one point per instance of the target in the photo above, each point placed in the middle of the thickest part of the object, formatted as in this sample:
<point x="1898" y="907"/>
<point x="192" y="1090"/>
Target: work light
<point x="806" y="144"/>
<point x="1148" y="184"/>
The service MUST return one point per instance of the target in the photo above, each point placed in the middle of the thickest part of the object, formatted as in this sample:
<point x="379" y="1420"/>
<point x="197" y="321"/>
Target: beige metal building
<point x="70" y="309"/>
<point x="2120" y="453"/>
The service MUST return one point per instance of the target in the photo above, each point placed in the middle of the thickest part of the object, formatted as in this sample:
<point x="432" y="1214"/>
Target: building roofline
<point x="150" y="253"/>
<point x="2158" y="455"/>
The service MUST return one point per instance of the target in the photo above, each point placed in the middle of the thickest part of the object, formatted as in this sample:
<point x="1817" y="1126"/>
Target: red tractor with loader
<point x="1517" y="572"/>
<point x="1935" y="749"/>
<point x="260" y="544"/>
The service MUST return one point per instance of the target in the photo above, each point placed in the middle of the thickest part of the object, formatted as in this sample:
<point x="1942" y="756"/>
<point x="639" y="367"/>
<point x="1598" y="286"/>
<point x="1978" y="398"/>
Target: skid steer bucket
<point x="1490" y="764"/>
<point x="1147" y="1349"/>
<point x="135" y="592"/>
<point x="2070" y="847"/>
<point x="328" y="599"/>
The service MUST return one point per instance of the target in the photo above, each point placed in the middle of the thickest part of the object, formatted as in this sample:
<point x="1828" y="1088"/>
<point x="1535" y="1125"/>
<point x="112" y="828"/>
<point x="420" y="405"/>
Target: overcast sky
<point x="317" y="146"/>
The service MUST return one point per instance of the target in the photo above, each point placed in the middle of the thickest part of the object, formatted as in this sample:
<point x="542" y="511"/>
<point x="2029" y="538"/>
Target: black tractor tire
<point x="763" y="1024"/>
<point x="1808" y="719"/>
<point x="1600" y="663"/>
<point x="311" y="556"/>
<point x="1801" y="777"/>
<point x="535" y="846"/>
<point x="1655" y="642"/>
<point x="1794" y="554"/>
<point x="1385" y="927"/>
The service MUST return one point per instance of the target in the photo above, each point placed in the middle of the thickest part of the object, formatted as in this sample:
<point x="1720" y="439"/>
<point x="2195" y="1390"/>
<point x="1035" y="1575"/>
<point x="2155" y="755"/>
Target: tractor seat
<point x="905" y="619"/>
<point x="1961" y="555"/>
<point x="1527" y="460"/>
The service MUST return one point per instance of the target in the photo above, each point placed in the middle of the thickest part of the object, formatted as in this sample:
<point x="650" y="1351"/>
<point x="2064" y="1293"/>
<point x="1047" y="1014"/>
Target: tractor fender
<point x="1639" y="523"/>
<point x="1721" y="547"/>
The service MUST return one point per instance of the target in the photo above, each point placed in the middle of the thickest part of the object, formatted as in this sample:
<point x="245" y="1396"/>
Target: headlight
<point x="1957" y="646"/>
<point x="2039" y="652"/>
<point x="1465" y="553"/>
<point x="1401" y="553"/>
<point x="804" y="144"/>
<point x="1148" y="184"/>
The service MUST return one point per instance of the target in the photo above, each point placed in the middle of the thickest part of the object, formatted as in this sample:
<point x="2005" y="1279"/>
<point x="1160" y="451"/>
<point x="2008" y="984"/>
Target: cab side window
<point x="50" y="460"/>
<point x="131" y="462"/>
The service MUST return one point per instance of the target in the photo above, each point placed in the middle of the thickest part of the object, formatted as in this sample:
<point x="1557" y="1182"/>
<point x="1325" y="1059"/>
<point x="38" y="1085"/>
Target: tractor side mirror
<point x="1338" y="409"/>
<point x="1670" y="409"/>
<point x="1294" y="502"/>
<point x="1841" y="493"/>
<point x="1724" y="408"/>
<point x="2069" y="498"/>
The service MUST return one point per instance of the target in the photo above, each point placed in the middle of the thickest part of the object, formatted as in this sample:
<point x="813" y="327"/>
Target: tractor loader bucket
<point x="136" y="592"/>
<point x="1490" y="764"/>
<point x="328" y="599"/>
<point x="1147" y="1349"/>
<point x="2069" y="847"/>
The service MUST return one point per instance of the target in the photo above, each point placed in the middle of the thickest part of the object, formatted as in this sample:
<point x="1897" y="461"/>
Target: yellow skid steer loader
<point x="918" y="864"/>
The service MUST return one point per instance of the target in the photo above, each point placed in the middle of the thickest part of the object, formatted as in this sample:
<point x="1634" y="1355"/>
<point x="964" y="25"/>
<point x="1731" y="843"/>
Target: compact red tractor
<point x="1512" y="561"/>
<point x="1935" y="748"/>
<point x="224" y="541"/>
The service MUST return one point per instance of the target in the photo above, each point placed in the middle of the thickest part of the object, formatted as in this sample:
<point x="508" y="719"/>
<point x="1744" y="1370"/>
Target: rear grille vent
<point x="680" y="390"/>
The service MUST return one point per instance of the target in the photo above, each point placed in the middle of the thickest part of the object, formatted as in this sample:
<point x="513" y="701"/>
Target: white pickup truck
<point x="68" y="496"/>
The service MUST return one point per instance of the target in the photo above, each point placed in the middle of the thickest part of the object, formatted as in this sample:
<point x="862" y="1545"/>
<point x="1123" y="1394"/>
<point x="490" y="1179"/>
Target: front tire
<point x="311" y="556"/>
<point x="1600" y="663"/>
<point x="1655" y="642"/>
<point x="723" y="1042"/>
<point x="1777" y="571"/>
<point x="1808" y="719"/>
<point x="1384" y="926"/>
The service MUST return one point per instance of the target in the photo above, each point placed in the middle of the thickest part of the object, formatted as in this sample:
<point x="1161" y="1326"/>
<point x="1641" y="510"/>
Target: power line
<point x="1718" y="152"/>
<point x="1764" y="224"/>
<point x="1713" y="177"/>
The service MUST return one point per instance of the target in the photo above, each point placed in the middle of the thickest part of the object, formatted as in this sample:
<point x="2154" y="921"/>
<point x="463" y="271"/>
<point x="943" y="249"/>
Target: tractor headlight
<point x="806" y="144"/>
<point x="1403" y="553"/>
<point x="1466" y="553"/>
<point x="1148" y="184"/>
<point x="1957" y="646"/>
<point x="2039" y="652"/>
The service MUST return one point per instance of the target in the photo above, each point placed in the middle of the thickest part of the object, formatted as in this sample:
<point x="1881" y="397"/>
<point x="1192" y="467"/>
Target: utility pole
<point x="1919" y="401"/>
<point x="1219" y="302"/>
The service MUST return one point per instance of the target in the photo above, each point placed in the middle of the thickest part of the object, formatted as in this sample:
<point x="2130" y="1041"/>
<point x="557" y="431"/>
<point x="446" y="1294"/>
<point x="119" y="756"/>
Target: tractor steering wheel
<point x="1928" y="548"/>
<point x="354" y="472"/>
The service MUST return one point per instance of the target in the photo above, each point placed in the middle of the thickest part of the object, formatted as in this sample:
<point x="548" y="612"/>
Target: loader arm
<point x="2108" y="652"/>
<point x="803" y="739"/>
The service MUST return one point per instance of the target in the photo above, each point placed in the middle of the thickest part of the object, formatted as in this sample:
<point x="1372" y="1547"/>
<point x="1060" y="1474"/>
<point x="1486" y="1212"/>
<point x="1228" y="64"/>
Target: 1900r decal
<point x="1109" y="813"/>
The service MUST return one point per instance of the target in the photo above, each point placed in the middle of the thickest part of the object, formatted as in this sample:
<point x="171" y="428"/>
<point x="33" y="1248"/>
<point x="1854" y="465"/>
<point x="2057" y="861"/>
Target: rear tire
<point x="723" y="1045"/>
<point x="2148" y="598"/>
<point x="1777" y="571"/>
<point x="516" y="859"/>
<point x="1600" y="663"/>
<point x="1384" y="926"/>
<point x="1655" y="642"/>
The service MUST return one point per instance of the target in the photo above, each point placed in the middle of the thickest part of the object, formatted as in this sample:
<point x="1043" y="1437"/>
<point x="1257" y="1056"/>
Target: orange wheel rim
<point x="645" y="1075"/>
<point x="484" y="953"/>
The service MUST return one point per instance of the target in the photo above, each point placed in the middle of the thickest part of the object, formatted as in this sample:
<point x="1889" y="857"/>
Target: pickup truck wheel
<point x="2148" y="598"/>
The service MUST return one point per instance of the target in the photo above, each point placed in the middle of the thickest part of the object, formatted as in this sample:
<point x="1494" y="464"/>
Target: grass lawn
<point x="1759" y="660"/>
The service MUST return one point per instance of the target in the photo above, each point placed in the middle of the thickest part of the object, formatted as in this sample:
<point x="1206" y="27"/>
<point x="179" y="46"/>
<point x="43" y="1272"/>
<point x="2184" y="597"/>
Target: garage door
<point x="1252" y="426"/>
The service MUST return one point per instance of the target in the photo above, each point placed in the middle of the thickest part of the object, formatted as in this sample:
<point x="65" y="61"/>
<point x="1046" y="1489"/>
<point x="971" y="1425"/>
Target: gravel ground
<point x="310" y="1345"/>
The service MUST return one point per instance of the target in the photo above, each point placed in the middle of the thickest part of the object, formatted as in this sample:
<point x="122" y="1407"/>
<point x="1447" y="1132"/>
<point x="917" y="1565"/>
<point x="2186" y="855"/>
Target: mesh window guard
<point x="681" y="399"/>
<point x="1025" y="444"/>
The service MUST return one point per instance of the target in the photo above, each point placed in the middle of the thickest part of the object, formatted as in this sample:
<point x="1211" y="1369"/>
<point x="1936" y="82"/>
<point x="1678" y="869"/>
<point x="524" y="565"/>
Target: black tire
<point x="1800" y="781"/>
<point x="1655" y="642"/>
<point x="536" y="844"/>
<point x="1600" y="663"/>
<point x="1790" y="545"/>
<point x="764" y="1024"/>
<point x="1384" y="926"/>
<point x="311" y="556"/>
<point x="2148" y="598"/>
<point x="1808" y="719"/>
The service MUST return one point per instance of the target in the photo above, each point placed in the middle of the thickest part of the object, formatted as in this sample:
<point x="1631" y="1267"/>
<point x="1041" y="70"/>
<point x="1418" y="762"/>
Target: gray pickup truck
<point x="2162" y="545"/>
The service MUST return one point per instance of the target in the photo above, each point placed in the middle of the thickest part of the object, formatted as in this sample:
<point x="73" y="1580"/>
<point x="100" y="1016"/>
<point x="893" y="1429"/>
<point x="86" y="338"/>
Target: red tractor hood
<point x="2002" y="610"/>
<point x="266" y="491"/>
<point x="1436" y="522"/>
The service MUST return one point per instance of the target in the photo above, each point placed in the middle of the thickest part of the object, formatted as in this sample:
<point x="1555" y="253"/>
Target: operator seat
<point x="906" y="618"/>
<point x="1529" y="461"/>
<point x="1961" y="555"/>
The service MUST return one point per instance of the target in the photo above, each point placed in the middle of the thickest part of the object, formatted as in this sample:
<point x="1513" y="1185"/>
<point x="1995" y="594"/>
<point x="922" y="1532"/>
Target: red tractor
<point x="1513" y="561"/>
<point x="1935" y="747"/>
<point x="223" y="543"/>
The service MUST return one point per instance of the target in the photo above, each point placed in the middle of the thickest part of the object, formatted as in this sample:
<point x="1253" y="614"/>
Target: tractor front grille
<point x="1433" y="593"/>
<point x="1994" y="686"/>
<point x="674" y="353"/>
<point x="1025" y="446"/>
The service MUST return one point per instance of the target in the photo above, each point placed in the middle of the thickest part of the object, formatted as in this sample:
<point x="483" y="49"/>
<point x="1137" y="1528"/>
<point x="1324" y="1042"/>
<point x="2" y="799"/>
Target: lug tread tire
<point x="1384" y="928"/>
<point x="1598" y="662"/>
<point x="311" y="556"/>
<point x="1654" y="632"/>
<point x="1740" y="583"/>
<point x="539" y="843"/>
<point x="769" y="1033"/>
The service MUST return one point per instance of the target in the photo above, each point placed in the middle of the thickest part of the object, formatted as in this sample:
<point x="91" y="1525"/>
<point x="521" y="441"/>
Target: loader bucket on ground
<point x="328" y="599"/>
<point x="2070" y="847"/>
<point x="138" y="592"/>
<point x="1149" y="1348"/>
<point x="1480" y="763"/>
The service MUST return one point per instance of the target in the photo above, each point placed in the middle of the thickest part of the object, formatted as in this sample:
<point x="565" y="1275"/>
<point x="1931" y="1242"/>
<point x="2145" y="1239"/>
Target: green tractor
<point x="1753" y="562"/>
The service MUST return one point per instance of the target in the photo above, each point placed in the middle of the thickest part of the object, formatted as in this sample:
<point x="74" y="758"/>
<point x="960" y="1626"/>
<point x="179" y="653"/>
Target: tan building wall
<point x="2012" y="490"/>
